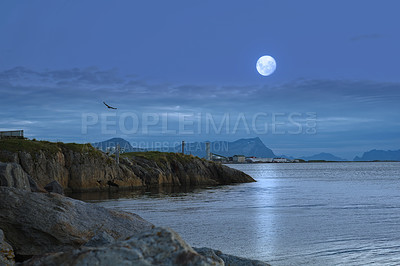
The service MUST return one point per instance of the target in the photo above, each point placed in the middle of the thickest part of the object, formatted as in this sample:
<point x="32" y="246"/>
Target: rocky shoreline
<point x="80" y="167"/>
<point x="51" y="229"/>
<point x="41" y="226"/>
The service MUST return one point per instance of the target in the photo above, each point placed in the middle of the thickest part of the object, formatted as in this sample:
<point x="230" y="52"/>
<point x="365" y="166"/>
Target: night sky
<point x="185" y="70"/>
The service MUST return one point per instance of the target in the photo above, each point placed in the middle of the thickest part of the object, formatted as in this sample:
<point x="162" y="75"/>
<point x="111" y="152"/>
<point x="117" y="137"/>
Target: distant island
<point x="323" y="156"/>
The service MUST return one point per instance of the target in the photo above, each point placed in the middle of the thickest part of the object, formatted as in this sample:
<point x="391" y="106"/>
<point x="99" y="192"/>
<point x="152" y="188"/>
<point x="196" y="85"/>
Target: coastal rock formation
<point x="99" y="240"/>
<point x="77" y="167"/>
<point x="6" y="252"/>
<point x="51" y="229"/>
<point x="80" y="167"/>
<point x="158" y="246"/>
<point x="36" y="223"/>
<point x="54" y="187"/>
<point x="12" y="175"/>
<point x="229" y="259"/>
<point x="157" y="168"/>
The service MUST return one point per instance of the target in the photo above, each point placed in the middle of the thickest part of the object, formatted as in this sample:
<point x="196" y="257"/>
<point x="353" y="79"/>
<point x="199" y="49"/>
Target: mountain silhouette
<point x="112" y="143"/>
<point x="379" y="155"/>
<point x="247" y="147"/>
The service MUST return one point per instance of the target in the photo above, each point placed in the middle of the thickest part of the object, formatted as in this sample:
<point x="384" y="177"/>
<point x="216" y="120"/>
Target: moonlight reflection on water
<point x="313" y="214"/>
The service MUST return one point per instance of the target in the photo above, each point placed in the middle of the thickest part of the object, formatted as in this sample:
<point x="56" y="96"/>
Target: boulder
<point x="36" y="223"/>
<point x="158" y="246"/>
<point x="6" y="252"/>
<point x="99" y="240"/>
<point x="54" y="187"/>
<point x="12" y="175"/>
<point x="229" y="259"/>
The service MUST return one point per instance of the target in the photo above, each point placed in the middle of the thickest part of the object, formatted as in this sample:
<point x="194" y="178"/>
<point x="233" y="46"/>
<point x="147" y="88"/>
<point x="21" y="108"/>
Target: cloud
<point x="82" y="89"/>
<point x="56" y="100"/>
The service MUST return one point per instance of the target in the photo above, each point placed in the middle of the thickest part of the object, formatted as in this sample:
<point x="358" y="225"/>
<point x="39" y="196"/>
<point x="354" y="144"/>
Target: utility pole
<point x="208" y="152"/>
<point x="117" y="154"/>
<point x="183" y="147"/>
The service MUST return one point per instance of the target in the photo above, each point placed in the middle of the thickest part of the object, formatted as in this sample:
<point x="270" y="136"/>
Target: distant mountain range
<point x="323" y="156"/>
<point x="379" y="155"/>
<point x="247" y="147"/>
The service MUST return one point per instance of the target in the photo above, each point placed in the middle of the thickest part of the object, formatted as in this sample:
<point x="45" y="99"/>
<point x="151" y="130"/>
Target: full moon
<point x="266" y="65"/>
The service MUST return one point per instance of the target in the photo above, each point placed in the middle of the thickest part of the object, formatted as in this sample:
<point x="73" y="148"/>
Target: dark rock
<point x="159" y="246"/>
<point x="34" y="186"/>
<point x="229" y="259"/>
<point x="36" y="223"/>
<point x="12" y="175"/>
<point x="54" y="187"/>
<point x="6" y="252"/>
<point x="99" y="240"/>
<point x="112" y="184"/>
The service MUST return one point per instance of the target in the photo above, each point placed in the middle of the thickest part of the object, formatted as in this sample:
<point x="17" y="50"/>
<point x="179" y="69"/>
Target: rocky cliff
<point x="80" y="167"/>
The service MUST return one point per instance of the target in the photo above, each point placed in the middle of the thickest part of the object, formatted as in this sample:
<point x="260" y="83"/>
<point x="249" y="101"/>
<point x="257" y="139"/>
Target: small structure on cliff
<point x="18" y="134"/>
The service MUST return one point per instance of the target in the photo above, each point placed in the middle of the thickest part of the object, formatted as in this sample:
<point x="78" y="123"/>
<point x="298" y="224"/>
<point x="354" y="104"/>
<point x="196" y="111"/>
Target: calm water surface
<point x="296" y="214"/>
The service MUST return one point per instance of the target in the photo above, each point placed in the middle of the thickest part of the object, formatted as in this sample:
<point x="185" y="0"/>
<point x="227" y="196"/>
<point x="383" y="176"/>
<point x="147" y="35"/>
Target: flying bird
<point x="110" y="107"/>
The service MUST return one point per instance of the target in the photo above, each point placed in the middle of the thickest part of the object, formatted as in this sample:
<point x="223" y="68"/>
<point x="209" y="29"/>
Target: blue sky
<point x="176" y="69"/>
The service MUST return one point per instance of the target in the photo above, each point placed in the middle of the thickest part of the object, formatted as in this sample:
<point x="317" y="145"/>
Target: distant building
<point x="218" y="158"/>
<point x="259" y="160"/>
<point x="239" y="159"/>
<point x="18" y="134"/>
<point x="280" y="160"/>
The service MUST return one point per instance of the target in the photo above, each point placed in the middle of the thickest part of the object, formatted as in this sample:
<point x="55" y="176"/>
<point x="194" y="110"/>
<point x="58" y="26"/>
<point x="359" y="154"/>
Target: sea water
<point x="295" y="214"/>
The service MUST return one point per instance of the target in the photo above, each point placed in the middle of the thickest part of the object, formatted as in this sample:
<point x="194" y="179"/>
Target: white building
<point x="259" y="160"/>
<point x="239" y="159"/>
<point x="280" y="160"/>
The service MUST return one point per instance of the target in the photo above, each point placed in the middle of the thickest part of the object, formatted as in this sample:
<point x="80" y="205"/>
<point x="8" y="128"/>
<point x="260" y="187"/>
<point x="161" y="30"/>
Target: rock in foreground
<point x="229" y="259"/>
<point x="50" y="229"/>
<point x="36" y="223"/>
<point x="159" y="246"/>
<point x="6" y="252"/>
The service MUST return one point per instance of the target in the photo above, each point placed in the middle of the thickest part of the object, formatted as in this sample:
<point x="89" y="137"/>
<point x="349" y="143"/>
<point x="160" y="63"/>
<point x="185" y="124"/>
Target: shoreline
<point x="43" y="227"/>
<point x="56" y="229"/>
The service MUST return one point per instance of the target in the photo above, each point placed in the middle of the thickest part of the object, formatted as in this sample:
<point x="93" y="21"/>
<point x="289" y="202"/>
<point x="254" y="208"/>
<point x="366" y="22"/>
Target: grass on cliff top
<point x="86" y="148"/>
<point x="158" y="156"/>
<point x="32" y="146"/>
<point x="15" y="145"/>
